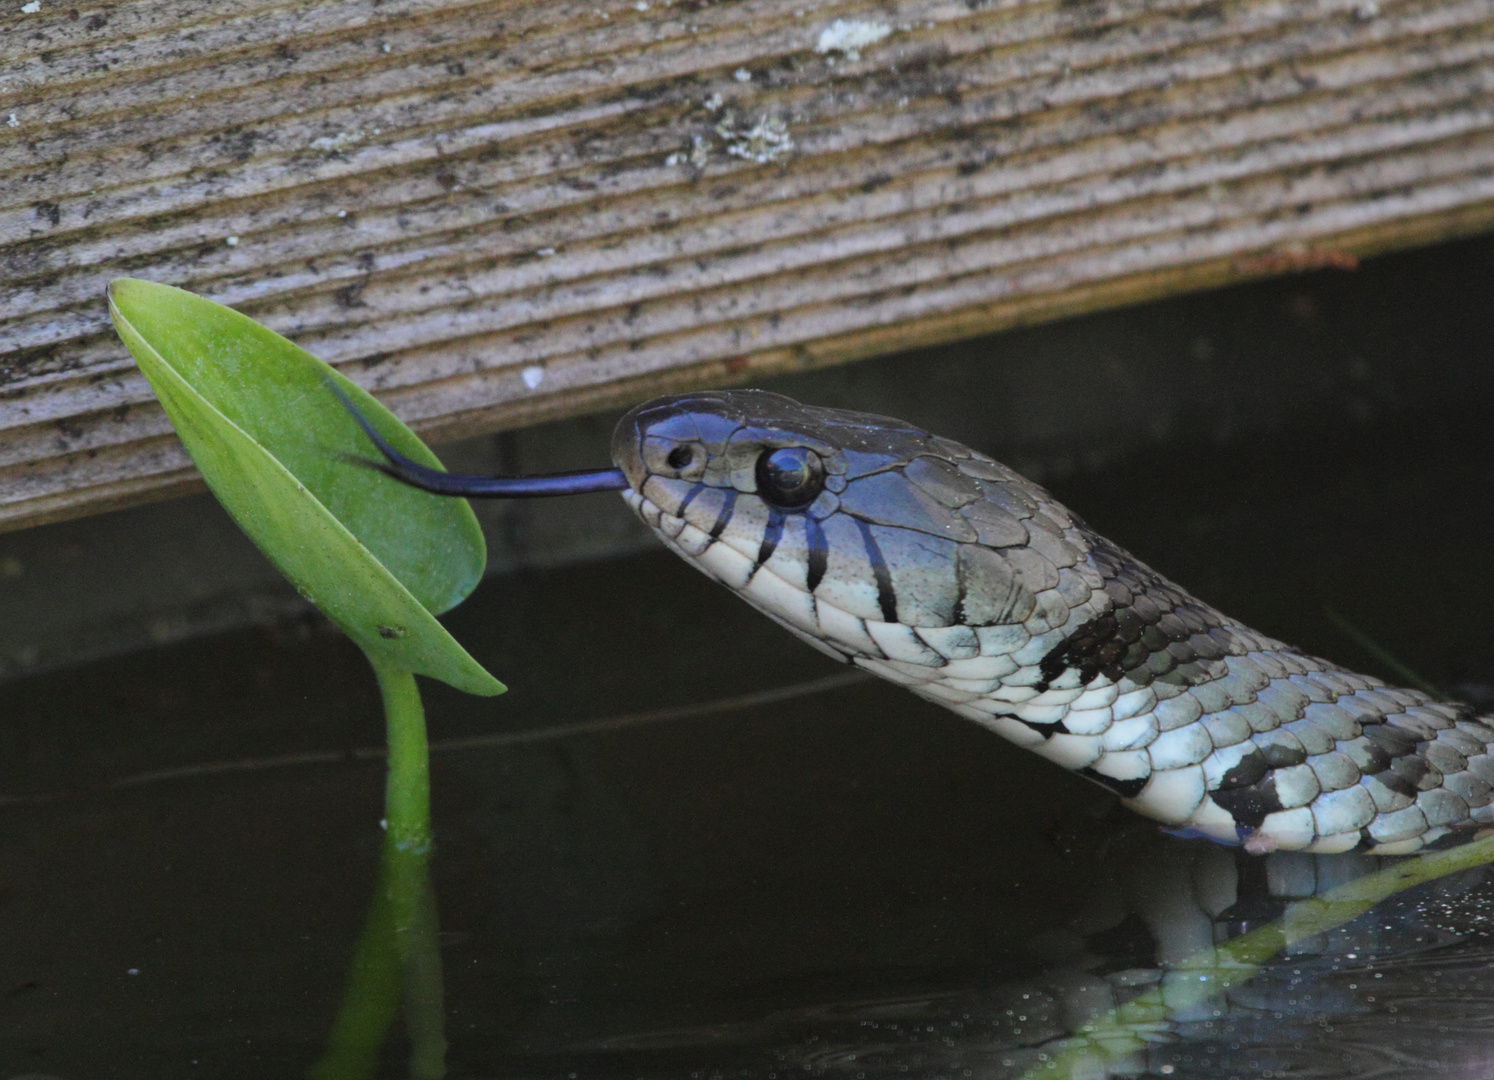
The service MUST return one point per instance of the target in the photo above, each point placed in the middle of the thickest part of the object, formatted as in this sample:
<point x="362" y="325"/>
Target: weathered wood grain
<point x="498" y="212"/>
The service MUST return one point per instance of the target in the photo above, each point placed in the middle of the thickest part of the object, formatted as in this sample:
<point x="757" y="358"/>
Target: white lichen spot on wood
<point x="700" y="151"/>
<point x="713" y="102"/>
<point x="767" y="140"/>
<point x="533" y="376"/>
<point x="32" y="8"/>
<point x="742" y="75"/>
<point x="331" y="144"/>
<point x="231" y="241"/>
<point x="849" y="37"/>
<point x="11" y="121"/>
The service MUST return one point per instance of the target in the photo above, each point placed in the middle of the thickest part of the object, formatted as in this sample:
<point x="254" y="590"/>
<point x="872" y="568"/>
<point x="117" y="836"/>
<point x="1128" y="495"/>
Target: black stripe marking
<point x="1126" y="789"/>
<point x="723" y="516"/>
<point x="1251" y="804"/>
<point x="819" y="552"/>
<point x="960" y="618"/>
<point x="1395" y="741"/>
<point x="1413" y="770"/>
<point x="1092" y="648"/>
<point x="886" y="595"/>
<point x="1281" y="756"/>
<point x="688" y="499"/>
<point x="1047" y="731"/>
<point x="770" y="536"/>
<point x="1396" y="783"/>
<point x="1250" y="769"/>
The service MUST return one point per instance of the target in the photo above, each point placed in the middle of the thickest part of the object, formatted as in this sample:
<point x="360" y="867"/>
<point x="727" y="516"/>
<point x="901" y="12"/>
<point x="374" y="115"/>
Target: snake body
<point x="935" y="567"/>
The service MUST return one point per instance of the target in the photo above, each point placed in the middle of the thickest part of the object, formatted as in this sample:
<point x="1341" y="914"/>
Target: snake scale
<point x="937" y="568"/>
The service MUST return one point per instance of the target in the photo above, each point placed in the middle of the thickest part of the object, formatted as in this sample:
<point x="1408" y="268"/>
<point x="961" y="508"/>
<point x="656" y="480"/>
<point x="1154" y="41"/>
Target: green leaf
<point x="254" y="411"/>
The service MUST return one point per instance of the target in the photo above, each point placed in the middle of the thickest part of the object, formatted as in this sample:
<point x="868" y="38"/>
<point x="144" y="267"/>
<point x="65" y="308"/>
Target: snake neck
<point x="936" y="568"/>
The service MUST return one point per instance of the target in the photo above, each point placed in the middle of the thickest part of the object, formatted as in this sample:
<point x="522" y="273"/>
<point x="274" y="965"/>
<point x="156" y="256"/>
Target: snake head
<point x="865" y="535"/>
<point x="718" y="446"/>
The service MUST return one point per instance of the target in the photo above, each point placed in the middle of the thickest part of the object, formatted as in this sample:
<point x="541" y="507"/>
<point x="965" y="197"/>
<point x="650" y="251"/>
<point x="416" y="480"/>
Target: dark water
<point x="844" y="882"/>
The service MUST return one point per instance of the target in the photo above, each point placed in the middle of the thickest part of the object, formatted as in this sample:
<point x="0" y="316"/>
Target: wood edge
<point x="929" y="331"/>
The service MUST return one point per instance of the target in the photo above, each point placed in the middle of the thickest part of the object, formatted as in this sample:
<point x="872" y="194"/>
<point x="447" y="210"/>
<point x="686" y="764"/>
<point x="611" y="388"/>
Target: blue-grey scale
<point x="933" y="566"/>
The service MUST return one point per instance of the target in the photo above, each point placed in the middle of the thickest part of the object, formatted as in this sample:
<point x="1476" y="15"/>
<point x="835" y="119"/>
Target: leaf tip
<point x="120" y="285"/>
<point x="491" y="689"/>
<point x="125" y="295"/>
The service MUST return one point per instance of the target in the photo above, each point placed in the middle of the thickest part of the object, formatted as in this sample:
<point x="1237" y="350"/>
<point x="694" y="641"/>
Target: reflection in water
<point x="1193" y="960"/>
<point x="398" y="959"/>
<point x="1207" y="984"/>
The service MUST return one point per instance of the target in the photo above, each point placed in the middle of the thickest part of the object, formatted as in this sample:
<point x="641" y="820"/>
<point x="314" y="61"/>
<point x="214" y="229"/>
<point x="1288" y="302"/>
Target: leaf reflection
<point x="398" y="958"/>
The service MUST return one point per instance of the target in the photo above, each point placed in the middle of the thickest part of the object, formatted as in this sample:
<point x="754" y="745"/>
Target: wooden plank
<point x="499" y="212"/>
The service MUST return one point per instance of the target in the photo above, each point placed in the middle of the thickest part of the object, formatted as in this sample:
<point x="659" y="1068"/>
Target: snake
<point x="935" y="567"/>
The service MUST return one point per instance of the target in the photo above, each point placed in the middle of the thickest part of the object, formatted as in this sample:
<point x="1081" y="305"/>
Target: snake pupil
<point x="790" y="477"/>
<point x="680" y="457"/>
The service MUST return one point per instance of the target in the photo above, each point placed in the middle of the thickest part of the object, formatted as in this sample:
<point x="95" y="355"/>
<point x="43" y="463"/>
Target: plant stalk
<point x="398" y="953"/>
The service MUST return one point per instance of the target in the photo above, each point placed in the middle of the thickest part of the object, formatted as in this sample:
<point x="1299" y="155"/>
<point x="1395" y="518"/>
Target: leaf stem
<point x="407" y="789"/>
<point x="407" y="816"/>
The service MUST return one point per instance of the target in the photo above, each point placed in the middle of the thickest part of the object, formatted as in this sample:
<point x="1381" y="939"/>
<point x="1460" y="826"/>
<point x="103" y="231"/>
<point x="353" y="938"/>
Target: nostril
<point x="680" y="457"/>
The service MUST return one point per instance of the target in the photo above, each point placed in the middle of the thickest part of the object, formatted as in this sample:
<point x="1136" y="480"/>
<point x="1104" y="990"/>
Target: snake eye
<point x="790" y="477"/>
<point x="681" y="457"/>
